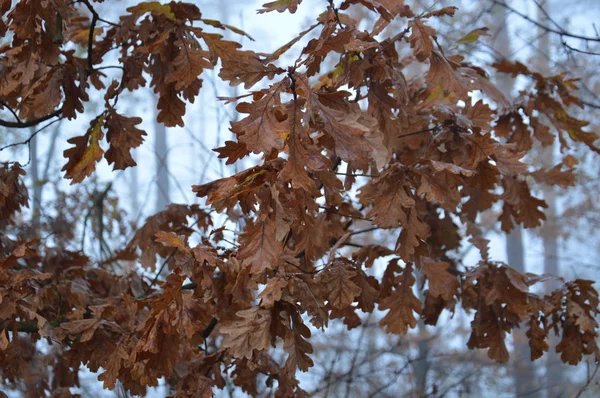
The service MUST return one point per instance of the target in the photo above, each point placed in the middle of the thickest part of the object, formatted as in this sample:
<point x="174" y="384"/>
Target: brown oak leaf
<point x="249" y="333"/>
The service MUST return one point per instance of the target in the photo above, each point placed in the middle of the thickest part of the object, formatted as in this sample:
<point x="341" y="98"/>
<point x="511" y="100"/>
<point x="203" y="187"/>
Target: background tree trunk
<point x="161" y="154"/>
<point x="522" y="368"/>
<point x="36" y="200"/>
<point x="555" y="371"/>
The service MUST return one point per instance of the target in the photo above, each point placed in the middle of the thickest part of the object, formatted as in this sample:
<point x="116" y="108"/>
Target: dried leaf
<point x="251" y="332"/>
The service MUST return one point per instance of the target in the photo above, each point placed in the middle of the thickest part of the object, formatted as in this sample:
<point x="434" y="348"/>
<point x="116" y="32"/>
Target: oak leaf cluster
<point x="345" y="132"/>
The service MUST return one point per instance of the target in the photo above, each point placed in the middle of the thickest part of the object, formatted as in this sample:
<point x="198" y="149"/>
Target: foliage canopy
<point x="402" y="134"/>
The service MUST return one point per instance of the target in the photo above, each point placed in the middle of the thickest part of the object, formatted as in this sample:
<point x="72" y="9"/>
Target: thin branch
<point x="189" y="286"/>
<point x="561" y="32"/>
<point x="21" y="124"/>
<point x="420" y="131"/>
<point x="302" y="270"/>
<point x="362" y="231"/>
<point x="160" y="270"/>
<point x="342" y="214"/>
<point x="547" y="16"/>
<point x="209" y="328"/>
<point x="351" y="244"/>
<point x="588" y="382"/>
<point x="356" y="175"/>
<point x="110" y="67"/>
<point x="337" y="15"/>
<point x="96" y="15"/>
<point x="90" y="50"/>
<point x="11" y="110"/>
<point x="564" y="43"/>
<point x="28" y="140"/>
<point x="28" y="326"/>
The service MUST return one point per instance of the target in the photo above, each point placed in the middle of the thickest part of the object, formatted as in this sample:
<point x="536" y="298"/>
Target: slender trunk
<point x="162" y="166"/>
<point x="422" y="365"/>
<point x="36" y="181"/>
<point x="134" y="178"/>
<point x="523" y="370"/>
<point x="555" y="370"/>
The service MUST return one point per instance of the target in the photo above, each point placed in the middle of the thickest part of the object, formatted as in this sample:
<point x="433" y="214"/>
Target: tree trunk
<point x="522" y="368"/>
<point x="133" y="187"/>
<point x="36" y="200"/>
<point x="162" y="166"/>
<point x="555" y="370"/>
<point x="422" y="364"/>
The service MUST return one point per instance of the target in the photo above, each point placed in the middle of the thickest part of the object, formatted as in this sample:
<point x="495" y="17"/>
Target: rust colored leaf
<point x="441" y="282"/>
<point x="122" y="135"/>
<point x="13" y="193"/>
<point x="443" y="80"/>
<point x="358" y="141"/>
<point x="171" y="107"/>
<point x="556" y="176"/>
<point x="280" y="6"/>
<point x="414" y="232"/>
<point x="83" y="330"/>
<point x="267" y="125"/>
<point x="272" y="292"/>
<point x="339" y="287"/>
<point x="260" y="249"/>
<point x="402" y="304"/>
<point x="232" y="151"/>
<point x="390" y="198"/>
<point x="251" y="332"/>
<point x="420" y="39"/>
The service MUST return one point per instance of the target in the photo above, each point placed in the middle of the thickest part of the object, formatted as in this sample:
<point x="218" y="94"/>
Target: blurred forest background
<point x="429" y="361"/>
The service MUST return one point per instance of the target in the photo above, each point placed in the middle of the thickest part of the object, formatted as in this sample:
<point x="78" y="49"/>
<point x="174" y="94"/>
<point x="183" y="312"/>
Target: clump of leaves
<point x="436" y="160"/>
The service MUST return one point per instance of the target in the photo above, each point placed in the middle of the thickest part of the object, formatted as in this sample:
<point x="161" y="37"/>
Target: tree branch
<point x="21" y="124"/>
<point x="28" y="140"/>
<point x="11" y="110"/>
<point x="90" y="50"/>
<point x="419" y="131"/>
<point x="589" y="380"/>
<point x="564" y="43"/>
<point x="560" y="32"/>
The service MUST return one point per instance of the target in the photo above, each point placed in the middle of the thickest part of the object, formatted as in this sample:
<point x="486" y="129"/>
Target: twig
<point x="588" y="382"/>
<point x="209" y="328"/>
<point x="96" y="15"/>
<point x="302" y="270"/>
<point x="544" y="27"/>
<point x="362" y="231"/>
<point x="564" y="43"/>
<point x="337" y="15"/>
<point x="11" y="110"/>
<point x="90" y="50"/>
<point x="356" y="175"/>
<point x="420" y="131"/>
<point x="160" y="270"/>
<point x="342" y="214"/>
<point x="28" y="140"/>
